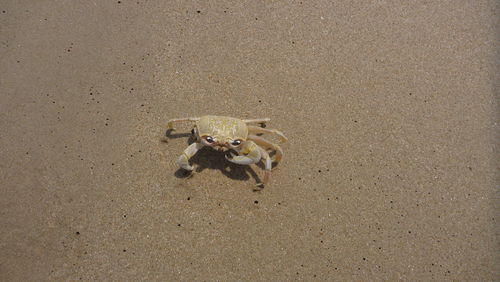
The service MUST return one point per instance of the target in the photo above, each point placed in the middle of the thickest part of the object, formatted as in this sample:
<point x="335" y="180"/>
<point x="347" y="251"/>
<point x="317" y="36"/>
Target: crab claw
<point x="183" y="160"/>
<point x="251" y="158"/>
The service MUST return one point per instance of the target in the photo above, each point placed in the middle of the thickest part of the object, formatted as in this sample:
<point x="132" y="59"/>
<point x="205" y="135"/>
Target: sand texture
<point x="390" y="172"/>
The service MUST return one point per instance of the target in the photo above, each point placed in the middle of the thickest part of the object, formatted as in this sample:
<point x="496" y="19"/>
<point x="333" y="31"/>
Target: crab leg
<point x="256" y="129"/>
<point x="183" y="160"/>
<point x="171" y="122"/>
<point x="267" y="171"/>
<point x="266" y="144"/>
<point x="259" y="120"/>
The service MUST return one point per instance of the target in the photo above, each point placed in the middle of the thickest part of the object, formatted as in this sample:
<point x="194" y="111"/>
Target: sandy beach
<point x="390" y="172"/>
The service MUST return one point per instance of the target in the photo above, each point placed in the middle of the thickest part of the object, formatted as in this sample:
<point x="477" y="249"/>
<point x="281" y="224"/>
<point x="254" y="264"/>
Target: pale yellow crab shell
<point x="224" y="129"/>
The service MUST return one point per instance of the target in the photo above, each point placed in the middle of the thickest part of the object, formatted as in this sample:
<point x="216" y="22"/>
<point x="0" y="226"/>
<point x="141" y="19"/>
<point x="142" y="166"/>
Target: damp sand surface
<point x="389" y="173"/>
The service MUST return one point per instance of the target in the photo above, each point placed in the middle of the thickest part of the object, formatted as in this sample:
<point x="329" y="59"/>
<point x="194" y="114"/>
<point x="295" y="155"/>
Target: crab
<point x="233" y="135"/>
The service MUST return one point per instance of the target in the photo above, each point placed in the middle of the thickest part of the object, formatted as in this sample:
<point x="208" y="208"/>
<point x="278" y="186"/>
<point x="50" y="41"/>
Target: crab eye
<point x="210" y="139"/>
<point x="236" y="142"/>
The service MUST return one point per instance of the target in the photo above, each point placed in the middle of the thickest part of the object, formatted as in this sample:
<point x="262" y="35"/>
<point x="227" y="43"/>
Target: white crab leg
<point x="183" y="160"/>
<point x="171" y="122"/>
<point x="259" y="120"/>
<point x="256" y="129"/>
<point x="267" y="171"/>
<point x="267" y="144"/>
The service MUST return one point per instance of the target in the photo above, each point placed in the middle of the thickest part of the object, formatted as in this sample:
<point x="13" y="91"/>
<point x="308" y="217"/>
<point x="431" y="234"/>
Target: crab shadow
<point x="207" y="158"/>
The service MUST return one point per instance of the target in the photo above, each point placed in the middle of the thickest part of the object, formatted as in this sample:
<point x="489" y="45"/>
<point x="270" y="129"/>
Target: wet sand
<point x="391" y="172"/>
